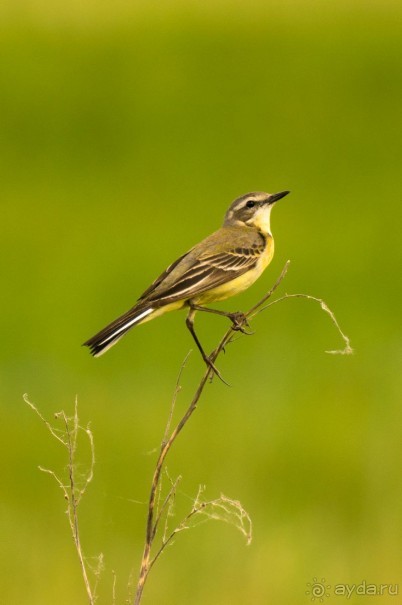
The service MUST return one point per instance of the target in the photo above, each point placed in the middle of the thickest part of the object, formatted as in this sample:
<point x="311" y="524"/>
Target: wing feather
<point x="162" y="277"/>
<point x="205" y="273"/>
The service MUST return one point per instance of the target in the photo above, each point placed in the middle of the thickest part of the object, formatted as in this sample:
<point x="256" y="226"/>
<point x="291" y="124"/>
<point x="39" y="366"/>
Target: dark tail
<point x="106" y="338"/>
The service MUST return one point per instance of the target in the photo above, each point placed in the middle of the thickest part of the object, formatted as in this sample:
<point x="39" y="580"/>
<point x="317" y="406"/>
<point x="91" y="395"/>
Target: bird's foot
<point x="239" y="321"/>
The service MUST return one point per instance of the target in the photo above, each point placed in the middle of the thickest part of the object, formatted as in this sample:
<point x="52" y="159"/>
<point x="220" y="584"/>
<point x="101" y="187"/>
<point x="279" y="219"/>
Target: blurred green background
<point x="125" y="132"/>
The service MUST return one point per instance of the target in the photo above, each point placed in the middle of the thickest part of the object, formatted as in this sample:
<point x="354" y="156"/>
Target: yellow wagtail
<point x="225" y="263"/>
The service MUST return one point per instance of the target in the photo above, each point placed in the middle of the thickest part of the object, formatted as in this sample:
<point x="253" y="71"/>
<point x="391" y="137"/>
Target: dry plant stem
<point x="228" y="510"/>
<point x="73" y="501"/>
<point x="347" y="350"/>
<point x="170" y="495"/>
<point x="72" y="494"/>
<point x="147" y="562"/>
<point x="114" y="587"/>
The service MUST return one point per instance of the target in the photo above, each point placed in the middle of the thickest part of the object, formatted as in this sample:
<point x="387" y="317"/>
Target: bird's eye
<point x="250" y="204"/>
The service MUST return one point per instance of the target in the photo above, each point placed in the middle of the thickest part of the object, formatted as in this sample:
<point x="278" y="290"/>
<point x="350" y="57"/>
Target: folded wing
<point x="196" y="274"/>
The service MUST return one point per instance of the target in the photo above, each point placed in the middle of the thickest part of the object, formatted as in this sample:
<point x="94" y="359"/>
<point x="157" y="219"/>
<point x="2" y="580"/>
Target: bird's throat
<point x="262" y="220"/>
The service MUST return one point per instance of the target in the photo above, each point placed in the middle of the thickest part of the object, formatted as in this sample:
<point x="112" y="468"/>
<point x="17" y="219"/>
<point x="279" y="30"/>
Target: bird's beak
<point x="276" y="196"/>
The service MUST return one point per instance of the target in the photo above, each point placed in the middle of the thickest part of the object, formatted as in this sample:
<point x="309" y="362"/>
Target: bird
<point x="224" y="264"/>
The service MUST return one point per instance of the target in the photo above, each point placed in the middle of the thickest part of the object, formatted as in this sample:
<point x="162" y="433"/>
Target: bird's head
<point x="253" y="210"/>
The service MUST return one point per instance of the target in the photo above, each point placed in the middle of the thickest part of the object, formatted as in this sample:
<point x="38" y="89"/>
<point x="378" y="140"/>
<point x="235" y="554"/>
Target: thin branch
<point x="50" y="428"/>
<point x="114" y="587"/>
<point x="170" y="505"/>
<point x="58" y="481"/>
<point x="347" y="350"/>
<point x="90" y="473"/>
<point x="174" y="398"/>
<point x="221" y="509"/>
<point x="73" y="502"/>
<point x="251" y="312"/>
<point x="169" y="497"/>
<point x="68" y="437"/>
